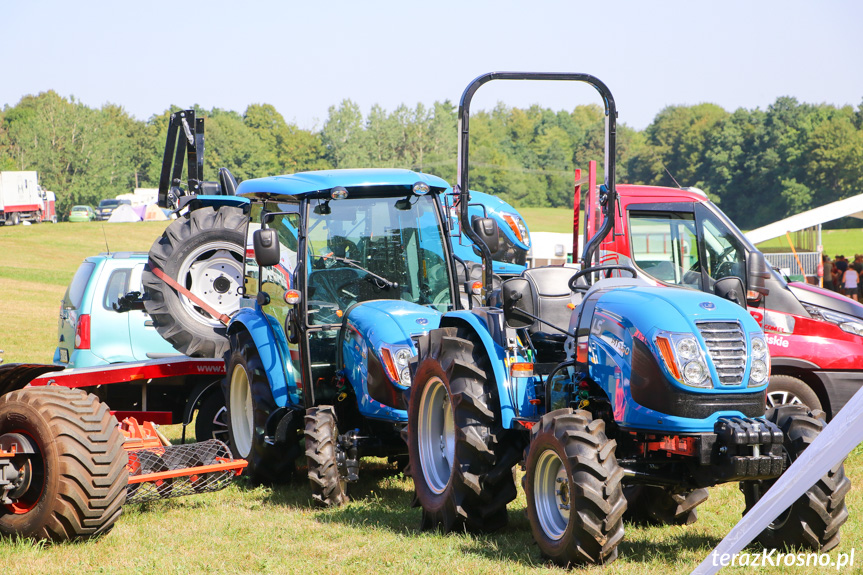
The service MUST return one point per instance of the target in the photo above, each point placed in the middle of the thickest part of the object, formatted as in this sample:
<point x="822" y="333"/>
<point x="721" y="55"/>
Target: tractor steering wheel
<point x="573" y="286"/>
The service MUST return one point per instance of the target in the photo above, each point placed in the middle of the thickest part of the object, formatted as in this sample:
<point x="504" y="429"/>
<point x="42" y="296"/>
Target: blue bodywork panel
<point x="310" y="182"/>
<point x="219" y="201"/>
<point x="628" y="313"/>
<point x="368" y="327"/>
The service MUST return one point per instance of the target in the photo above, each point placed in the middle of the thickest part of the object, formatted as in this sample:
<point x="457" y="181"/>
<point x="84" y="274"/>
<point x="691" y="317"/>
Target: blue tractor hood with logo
<point x="375" y="335"/>
<point x="645" y="381"/>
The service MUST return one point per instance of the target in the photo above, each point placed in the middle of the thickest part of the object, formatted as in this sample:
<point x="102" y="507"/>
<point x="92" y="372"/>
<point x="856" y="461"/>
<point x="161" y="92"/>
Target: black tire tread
<point x="816" y="517"/>
<point x="324" y="477"/>
<point x="482" y="482"/>
<point x="596" y="522"/>
<point x="91" y="487"/>
<point x="186" y="334"/>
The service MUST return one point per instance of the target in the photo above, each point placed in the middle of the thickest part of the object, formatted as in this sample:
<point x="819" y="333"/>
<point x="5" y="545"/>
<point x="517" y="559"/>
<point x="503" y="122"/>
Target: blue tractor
<point x="619" y="399"/>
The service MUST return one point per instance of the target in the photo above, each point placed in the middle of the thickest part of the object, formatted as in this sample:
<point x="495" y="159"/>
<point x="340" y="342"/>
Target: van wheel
<point x="788" y="390"/>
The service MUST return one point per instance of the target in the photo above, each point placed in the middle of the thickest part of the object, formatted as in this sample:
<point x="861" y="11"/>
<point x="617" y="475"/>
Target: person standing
<point x="850" y="280"/>
<point x="828" y="273"/>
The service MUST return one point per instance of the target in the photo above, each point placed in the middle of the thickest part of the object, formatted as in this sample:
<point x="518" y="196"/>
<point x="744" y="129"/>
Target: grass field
<point x="263" y="530"/>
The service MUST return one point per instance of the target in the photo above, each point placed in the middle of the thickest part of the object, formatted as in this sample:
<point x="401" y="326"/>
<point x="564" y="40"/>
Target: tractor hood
<point x="673" y="310"/>
<point x="391" y="321"/>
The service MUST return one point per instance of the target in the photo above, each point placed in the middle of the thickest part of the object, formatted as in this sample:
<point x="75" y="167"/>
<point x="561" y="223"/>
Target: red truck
<point x="679" y="237"/>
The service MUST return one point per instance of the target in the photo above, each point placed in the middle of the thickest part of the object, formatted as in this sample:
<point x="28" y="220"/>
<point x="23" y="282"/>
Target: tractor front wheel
<point x="813" y="521"/>
<point x="326" y="476"/>
<point x="70" y="471"/>
<point x="461" y="471"/>
<point x="575" y="502"/>
<point x="249" y="406"/>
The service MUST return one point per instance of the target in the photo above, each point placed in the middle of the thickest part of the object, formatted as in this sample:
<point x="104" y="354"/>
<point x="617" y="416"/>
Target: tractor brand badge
<point x="422" y="320"/>
<point x="708" y="305"/>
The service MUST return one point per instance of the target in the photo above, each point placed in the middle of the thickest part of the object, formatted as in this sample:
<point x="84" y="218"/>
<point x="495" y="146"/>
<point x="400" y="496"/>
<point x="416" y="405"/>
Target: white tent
<point x="124" y="213"/>
<point x="852" y="207"/>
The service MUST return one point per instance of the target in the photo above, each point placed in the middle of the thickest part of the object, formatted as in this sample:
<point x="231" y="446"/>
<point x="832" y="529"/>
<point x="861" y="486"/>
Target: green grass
<point x="845" y="242"/>
<point x="262" y="530"/>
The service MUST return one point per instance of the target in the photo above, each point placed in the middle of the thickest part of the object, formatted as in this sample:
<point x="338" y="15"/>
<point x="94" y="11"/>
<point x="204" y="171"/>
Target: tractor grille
<point x="727" y="348"/>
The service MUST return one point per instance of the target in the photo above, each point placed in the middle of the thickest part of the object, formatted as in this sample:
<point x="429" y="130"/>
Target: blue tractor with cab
<point x="620" y="400"/>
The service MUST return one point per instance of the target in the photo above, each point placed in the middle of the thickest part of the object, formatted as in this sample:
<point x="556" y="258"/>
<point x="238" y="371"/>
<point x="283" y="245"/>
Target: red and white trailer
<point x="21" y="198"/>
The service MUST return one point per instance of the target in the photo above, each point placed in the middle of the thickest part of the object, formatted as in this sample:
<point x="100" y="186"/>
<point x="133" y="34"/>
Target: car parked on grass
<point x="90" y="331"/>
<point x="107" y="207"/>
<point x="82" y="214"/>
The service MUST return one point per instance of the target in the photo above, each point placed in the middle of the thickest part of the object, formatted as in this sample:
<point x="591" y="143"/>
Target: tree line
<point x="759" y="165"/>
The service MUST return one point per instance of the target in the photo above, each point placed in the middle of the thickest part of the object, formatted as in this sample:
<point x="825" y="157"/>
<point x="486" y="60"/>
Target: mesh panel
<point x="175" y="457"/>
<point x="727" y="348"/>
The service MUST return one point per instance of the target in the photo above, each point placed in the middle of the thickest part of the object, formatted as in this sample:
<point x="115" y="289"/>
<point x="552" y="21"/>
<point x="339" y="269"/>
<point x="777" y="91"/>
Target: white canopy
<point x="852" y="207"/>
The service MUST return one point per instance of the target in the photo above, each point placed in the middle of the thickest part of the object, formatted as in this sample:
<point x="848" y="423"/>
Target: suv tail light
<point x="82" y="332"/>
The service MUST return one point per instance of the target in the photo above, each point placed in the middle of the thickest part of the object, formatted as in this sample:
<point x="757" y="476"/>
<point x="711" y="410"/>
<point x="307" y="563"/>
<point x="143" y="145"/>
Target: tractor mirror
<point x="759" y="272"/>
<point x="487" y="229"/>
<point x="518" y="307"/>
<point x="266" y="242"/>
<point x="732" y="289"/>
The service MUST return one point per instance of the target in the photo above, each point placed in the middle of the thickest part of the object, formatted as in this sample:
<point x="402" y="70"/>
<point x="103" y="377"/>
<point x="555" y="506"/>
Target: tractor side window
<point x="664" y="246"/>
<point x="724" y="254"/>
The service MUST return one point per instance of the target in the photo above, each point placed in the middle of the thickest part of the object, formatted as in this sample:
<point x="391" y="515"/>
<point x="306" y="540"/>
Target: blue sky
<point x="305" y="57"/>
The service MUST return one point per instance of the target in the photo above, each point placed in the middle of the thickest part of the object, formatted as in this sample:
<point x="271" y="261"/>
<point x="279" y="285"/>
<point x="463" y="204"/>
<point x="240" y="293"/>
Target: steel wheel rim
<point x="436" y="435"/>
<point x="220" y="425"/>
<point x="777" y="398"/>
<point x="241" y="411"/>
<point x="201" y="273"/>
<point x="551" y="494"/>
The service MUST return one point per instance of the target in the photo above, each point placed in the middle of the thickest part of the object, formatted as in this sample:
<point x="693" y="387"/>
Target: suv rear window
<point x="75" y="292"/>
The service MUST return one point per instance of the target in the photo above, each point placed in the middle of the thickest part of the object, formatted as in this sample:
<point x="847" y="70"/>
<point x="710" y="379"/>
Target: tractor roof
<point x="310" y="182"/>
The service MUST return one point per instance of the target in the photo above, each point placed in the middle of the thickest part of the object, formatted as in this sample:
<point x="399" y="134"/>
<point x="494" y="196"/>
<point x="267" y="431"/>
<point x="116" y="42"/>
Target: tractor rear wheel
<point x="72" y="482"/>
<point x="249" y="406"/>
<point x="813" y="521"/>
<point x="204" y="252"/>
<point x="461" y="470"/>
<point x="652" y="505"/>
<point x="329" y="486"/>
<point x="575" y="502"/>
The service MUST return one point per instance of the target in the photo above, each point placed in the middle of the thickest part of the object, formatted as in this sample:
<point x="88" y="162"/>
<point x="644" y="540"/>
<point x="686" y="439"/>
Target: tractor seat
<point x="552" y="304"/>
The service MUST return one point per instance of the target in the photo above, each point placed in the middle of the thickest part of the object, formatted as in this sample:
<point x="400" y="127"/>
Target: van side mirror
<point x="266" y="243"/>
<point x="487" y="229"/>
<point x="518" y="303"/>
<point x="758" y="272"/>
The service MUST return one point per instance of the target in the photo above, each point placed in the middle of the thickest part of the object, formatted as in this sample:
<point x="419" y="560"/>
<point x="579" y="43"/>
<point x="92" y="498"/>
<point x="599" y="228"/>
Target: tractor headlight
<point x="518" y="228"/>
<point x="759" y="371"/>
<point x="396" y="361"/>
<point x="684" y="358"/>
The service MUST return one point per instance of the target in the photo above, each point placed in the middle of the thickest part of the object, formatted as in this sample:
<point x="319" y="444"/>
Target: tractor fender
<point x="477" y="322"/>
<point x="196" y="396"/>
<point x="216" y="202"/>
<point x="273" y="351"/>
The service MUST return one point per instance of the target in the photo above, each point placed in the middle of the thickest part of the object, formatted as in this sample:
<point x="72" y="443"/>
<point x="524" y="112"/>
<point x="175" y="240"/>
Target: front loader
<point x="619" y="399"/>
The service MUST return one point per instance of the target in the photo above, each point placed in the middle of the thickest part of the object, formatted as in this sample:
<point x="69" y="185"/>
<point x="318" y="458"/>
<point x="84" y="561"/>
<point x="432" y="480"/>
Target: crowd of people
<point x="843" y="276"/>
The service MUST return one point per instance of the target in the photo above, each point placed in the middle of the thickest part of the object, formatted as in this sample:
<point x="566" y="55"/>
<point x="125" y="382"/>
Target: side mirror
<point x="487" y="229"/>
<point x="758" y="272"/>
<point x="518" y="303"/>
<point x="732" y="289"/>
<point x="266" y="243"/>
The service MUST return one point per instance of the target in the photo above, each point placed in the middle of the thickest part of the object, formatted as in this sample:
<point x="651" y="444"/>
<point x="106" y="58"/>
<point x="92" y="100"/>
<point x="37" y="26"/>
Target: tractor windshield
<point x="364" y="249"/>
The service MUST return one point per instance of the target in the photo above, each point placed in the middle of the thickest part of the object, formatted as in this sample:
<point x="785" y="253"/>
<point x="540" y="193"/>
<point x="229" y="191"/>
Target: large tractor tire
<point x="788" y="390"/>
<point x="72" y="484"/>
<point x="249" y="406"/>
<point x="575" y="501"/>
<point x="461" y="468"/>
<point x="652" y="505"/>
<point x="204" y="252"/>
<point x="813" y="521"/>
<point x="328" y="480"/>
